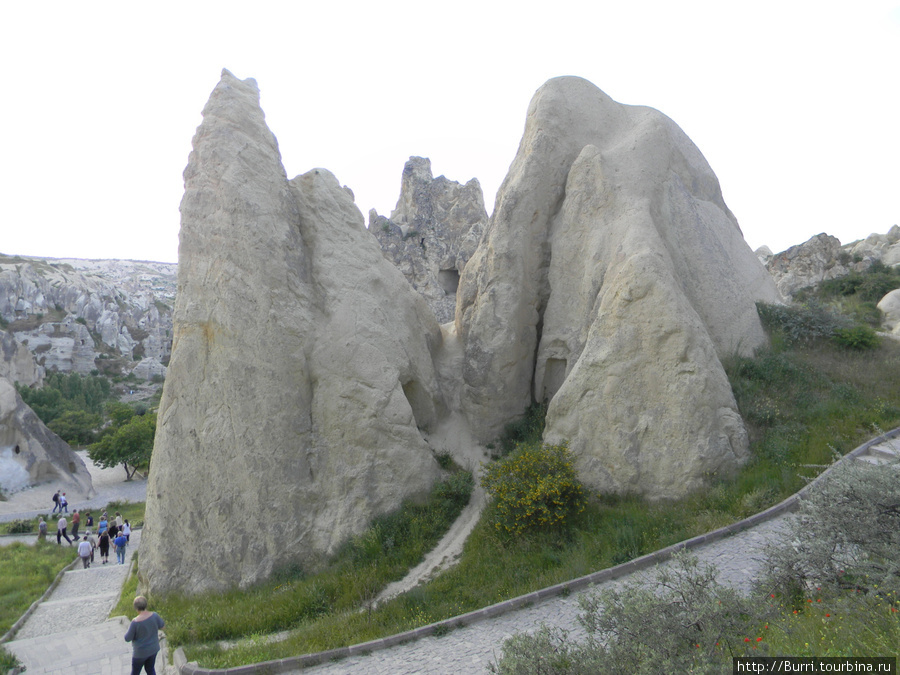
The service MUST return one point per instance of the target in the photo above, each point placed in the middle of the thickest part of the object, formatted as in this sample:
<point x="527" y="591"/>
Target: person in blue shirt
<point x="143" y="634"/>
<point x="121" y="542"/>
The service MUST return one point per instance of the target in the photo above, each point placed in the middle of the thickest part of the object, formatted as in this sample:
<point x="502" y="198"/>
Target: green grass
<point x="125" y="605"/>
<point x="834" y="625"/>
<point x="359" y="571"/>
<point x="133" y="512"/>
<point x="25" y="573"/>
<point x="801" y="404"/>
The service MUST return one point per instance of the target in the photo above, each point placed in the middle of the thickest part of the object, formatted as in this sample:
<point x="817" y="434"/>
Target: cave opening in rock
<point x="449" y="280"/>
<point x="554" y="376"/>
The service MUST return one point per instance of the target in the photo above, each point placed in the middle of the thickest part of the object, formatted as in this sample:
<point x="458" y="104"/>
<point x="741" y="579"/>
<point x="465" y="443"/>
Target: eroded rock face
<point x="301" y="370"/>
<point x="808" y="264"/>
<point x="31" y="454"/>
<point x="611" y="281"/>
<point x="56" y="308"/>
<point x="16" y="362"/>
<point x="432" y="233"/>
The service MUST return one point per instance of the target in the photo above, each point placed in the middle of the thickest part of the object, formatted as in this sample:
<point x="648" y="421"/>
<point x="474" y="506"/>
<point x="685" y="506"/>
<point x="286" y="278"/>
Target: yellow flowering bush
<point x="534" y="487"/>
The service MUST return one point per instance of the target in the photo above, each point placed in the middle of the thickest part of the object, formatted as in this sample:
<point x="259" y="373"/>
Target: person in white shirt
<point x="84" y="552"/>
<point x="61" y="526"/>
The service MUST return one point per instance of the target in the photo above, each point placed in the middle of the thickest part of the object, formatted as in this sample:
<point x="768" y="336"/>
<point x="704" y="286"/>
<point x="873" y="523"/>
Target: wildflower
<point x="746" y="639"/>
<point x="828" y="615"/>
<point x="759" y="639"/>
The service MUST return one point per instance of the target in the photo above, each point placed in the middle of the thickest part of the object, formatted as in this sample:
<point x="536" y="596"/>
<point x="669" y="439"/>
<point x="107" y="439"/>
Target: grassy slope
<point x="801" y="404"/>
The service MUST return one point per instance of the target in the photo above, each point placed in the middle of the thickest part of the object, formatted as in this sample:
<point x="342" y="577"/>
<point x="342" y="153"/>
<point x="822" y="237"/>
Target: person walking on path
<point x="104" y="546"/>
<point x="84" y="552"/>
<point x="143" y="633"/>
<point x="61" y="526"/>
<point x="126" y="530"/>
<point x="121" y="542"/>
<point x="63" y="503"/>
<point x="42" y="529"/>
<point x="93" y="542"/>
<point x="56" y="502"/>
<point x="76" y="521"/>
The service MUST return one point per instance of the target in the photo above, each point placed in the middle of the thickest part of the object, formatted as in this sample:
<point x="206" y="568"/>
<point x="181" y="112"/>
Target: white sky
<point x="795" y="104"/>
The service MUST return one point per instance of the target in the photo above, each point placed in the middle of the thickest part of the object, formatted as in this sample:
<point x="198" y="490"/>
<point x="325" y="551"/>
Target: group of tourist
<point x="114" y="532"/>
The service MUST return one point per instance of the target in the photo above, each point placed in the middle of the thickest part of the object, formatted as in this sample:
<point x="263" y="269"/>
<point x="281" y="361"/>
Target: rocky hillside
<point x="114" y="316"/>
<point x="823" y="257"/>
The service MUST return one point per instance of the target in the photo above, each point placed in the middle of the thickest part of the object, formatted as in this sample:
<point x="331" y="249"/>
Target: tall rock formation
<point x="301" y="369"/>
<point x="432" y="233"/>
<point x="31" y="454"/>
<point x="610" y="282"/>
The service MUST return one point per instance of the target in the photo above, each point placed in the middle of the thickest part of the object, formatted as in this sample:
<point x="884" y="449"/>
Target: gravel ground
<point x="109" y="485"/>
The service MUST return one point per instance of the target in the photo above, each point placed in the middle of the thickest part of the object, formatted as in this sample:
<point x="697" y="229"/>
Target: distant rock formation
<point x="823" y="257"/>
<point x="301" y="378"/>
<point x="74" y="314"/>
<point x="432" y="233"/>
<point x="808" y="264"/>
<point x="16" y="362"/>
<point x="610" y="282"/>
<point x="31" y="454"/>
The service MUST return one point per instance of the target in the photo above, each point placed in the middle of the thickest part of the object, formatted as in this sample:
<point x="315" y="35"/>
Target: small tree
<point x="128" y="441"/>
<point x="846" y="534"/>
<point x="535" y="487"/>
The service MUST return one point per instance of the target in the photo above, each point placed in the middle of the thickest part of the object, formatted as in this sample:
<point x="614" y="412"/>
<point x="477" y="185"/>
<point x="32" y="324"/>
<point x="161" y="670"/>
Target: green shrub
<point x="801" y="323"/>
<point x="529" y="428"/>
<point x="688" y="622"/>
<point x="19" y="527"/>
<point x="846" y="535"/>
<point x="857" y="337"/>
<point x="534" y="488"/>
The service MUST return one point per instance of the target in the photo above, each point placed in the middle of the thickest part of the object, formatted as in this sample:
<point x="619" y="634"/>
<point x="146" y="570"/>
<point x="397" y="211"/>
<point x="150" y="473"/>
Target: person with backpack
<point x="56" y="502"/>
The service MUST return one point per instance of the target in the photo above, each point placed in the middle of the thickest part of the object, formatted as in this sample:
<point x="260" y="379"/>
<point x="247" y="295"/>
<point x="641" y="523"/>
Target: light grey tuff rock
<point x="301" y="370"/>
<point x="890" y="307"/>
<point x="16" y="362"/>
<point x="611" y="280"/>
<point x="27" y="445"/>
<point x="432" y="233"/>
<point x="125" y="303"/>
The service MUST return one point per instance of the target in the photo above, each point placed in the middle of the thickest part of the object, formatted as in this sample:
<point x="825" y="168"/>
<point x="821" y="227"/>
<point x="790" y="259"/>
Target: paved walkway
<point x="69" y="633"/>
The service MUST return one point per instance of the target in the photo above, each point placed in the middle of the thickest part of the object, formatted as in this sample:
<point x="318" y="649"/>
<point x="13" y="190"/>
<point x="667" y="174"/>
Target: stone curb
<point x="11" y="633"/>
<point x="294" y="663"/>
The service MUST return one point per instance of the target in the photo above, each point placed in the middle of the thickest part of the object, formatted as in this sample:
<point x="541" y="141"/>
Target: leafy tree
<point x="128" y="441"/>
<point x="76" y="427"/>
<point x="63" y="392"/>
